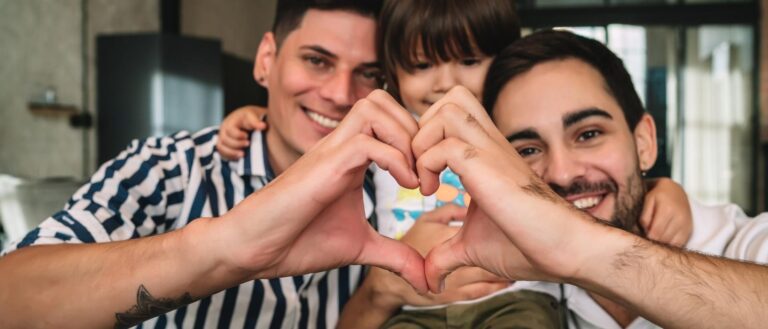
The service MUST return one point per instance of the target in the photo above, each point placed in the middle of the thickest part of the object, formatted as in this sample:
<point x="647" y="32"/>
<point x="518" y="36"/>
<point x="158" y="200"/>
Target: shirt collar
<point x="255" y="162"/>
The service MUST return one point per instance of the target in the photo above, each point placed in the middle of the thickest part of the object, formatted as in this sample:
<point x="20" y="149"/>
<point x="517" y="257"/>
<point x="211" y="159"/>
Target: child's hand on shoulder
<point x="234" y="131"/>
<point x="666" y="215"/>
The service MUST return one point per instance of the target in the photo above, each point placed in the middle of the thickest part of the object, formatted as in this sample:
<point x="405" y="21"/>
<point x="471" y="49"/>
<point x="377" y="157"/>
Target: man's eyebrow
<point x="523" y="134"/>
<point x="321" y="50"/>
<point x="371" y="65"/>
<point x="328" y="53"/>
<point x="572" y="118"/>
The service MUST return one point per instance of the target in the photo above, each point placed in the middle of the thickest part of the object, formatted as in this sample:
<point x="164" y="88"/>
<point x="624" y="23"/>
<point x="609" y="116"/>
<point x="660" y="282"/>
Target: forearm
<point x="679" y="289"/>
<point x="87" y="286"/>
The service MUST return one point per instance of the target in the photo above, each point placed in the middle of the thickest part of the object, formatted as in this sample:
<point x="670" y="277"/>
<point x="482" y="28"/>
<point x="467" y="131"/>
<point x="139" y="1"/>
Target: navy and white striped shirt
<point x="161" y="184"/>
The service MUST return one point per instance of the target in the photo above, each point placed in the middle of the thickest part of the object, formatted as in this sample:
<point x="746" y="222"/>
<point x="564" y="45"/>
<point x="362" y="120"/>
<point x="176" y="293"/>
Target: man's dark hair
<point x="550" y="45"/>
<point x="445" y="29"/>
<point x="290" y="12"/>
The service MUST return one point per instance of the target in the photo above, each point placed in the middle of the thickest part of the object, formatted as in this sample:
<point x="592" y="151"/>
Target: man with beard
<point x="567" y="106"/>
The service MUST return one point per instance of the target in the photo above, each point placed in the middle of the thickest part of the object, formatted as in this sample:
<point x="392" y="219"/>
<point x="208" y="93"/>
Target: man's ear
<point x="645" y="141"/>
<point x="265" y="58"/>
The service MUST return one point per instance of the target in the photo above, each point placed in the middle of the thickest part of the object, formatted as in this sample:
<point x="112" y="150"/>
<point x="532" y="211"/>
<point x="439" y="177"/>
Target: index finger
<point x="370" y="118"/>
<point x="463" y="98"/>
<point x="389" y="104"/>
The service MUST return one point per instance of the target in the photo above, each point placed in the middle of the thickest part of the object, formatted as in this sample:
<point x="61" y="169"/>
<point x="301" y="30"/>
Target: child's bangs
<point x="439" y="33"/>
<point x="436" y="42"/>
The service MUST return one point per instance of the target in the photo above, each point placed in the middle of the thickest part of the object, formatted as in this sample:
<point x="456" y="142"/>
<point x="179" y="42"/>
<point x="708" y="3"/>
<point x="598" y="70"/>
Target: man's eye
<point x="527" y="151"/>
<point x="371" y="78"/>
<point x="372" y="75"/>
<point x="316" y="61"/>
<point x="587" y="135"/>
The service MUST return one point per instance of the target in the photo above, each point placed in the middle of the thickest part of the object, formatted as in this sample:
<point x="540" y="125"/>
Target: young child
<point x="427" y="47"/>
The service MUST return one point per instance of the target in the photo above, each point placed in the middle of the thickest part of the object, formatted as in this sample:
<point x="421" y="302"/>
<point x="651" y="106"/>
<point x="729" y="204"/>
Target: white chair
<point x="26" y="203"/>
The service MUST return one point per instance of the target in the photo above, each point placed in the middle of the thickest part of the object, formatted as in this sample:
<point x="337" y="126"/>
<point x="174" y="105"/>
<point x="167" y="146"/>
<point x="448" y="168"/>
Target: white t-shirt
<point x="397" y="208"/>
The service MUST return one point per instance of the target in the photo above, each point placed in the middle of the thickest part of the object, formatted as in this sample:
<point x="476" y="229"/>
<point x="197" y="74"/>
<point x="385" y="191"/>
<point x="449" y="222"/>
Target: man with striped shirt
<point x="159" y="238"/>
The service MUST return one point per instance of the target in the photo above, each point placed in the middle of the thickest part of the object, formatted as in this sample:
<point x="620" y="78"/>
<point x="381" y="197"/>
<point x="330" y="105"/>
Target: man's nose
<point x="562" y="167"/>
<point x="338" y="89"/>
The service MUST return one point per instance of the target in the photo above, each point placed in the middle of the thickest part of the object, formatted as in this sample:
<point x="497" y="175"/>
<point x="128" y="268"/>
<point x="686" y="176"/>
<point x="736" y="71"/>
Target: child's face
<point x="430" y="81"/>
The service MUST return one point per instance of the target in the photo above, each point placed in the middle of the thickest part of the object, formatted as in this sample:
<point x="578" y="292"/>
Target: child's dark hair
<point x="289" y="13"/>
<point x="551" y="45"/>
<point x="444" y="29"/>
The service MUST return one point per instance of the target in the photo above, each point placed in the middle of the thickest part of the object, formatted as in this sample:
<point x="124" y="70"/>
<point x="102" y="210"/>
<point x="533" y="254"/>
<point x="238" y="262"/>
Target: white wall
<point x="239" y="24"/>
<point x="41" y="46"/>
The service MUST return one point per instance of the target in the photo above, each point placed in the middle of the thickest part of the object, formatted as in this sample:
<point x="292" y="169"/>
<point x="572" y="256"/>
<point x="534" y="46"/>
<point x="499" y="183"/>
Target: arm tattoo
<point x="148" y="307"/>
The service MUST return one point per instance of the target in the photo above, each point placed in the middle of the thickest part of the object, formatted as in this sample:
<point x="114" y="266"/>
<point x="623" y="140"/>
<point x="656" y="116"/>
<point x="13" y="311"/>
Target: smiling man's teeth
<point x="586" y="202"/>
<point x="323" y="120"/>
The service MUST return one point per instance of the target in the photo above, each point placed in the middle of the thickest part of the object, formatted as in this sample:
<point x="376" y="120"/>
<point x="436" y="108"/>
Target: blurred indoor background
<point x="81" y="78"/>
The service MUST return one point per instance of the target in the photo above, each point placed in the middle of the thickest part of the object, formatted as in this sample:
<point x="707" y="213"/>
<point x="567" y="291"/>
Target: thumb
<point x="254" y="120"/>
<point x="647" y="214"/>
<point x="396" y="257"/>
<point x="441" y="261"/>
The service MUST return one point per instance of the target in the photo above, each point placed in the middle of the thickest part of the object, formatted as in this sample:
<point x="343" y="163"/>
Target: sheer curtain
<point x="713" y="152"/>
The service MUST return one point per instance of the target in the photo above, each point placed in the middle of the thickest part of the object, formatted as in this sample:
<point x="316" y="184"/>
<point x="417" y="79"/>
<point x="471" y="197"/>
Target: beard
<point x="629" y="202"/>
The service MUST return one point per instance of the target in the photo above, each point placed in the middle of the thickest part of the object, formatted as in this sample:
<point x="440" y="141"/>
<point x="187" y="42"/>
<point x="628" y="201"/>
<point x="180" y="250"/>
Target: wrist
<point x="205" y="244"/>
<point x="608" y="252"/>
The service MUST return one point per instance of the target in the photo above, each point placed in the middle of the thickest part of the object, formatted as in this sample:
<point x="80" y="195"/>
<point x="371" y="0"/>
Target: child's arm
<point x="383" y="293"/>
<point x="233" y="132"/>
<point x="666" y="214"/>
